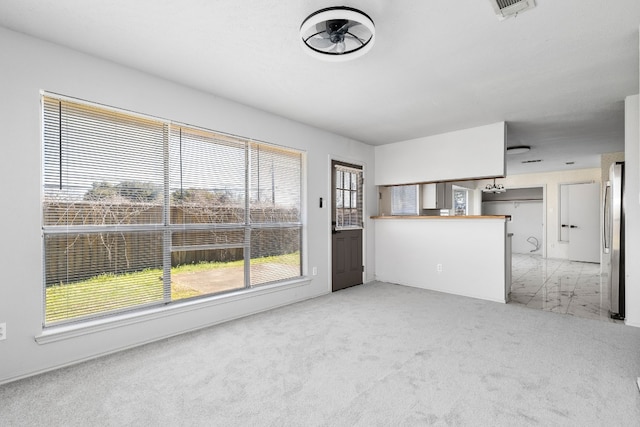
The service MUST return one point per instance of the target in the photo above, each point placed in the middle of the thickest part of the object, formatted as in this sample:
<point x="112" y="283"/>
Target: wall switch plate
<point x="3" y="331"/>
<point x="314" y="271"/>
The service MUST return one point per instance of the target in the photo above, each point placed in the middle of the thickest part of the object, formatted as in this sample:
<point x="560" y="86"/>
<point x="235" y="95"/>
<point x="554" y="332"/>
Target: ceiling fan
<point x="337" y="33"/>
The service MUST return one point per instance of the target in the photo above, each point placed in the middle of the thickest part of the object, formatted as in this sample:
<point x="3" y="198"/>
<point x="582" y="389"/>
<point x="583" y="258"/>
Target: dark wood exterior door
<point x="346" y="225"/>
<point x="347" y="259"/>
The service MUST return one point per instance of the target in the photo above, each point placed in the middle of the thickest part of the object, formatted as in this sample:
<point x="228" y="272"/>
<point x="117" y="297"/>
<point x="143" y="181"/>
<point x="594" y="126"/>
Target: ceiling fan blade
<point x="354" y="38"/>
<point x="320" y="43"/>
<point x="360" y="31"/>
<point x="340" y="47"/>
<point x="344" y="28"/>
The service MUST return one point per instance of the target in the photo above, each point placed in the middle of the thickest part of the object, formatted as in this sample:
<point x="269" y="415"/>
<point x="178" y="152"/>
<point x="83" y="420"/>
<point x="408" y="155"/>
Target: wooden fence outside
<point x="71" y="258"/>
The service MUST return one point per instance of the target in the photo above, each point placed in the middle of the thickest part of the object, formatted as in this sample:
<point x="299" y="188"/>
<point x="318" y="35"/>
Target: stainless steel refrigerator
<point x="613" y="238"/>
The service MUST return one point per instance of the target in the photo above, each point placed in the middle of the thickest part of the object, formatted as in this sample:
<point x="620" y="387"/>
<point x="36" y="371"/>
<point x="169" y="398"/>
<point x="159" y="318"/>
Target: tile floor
<point x="561" y="286"/>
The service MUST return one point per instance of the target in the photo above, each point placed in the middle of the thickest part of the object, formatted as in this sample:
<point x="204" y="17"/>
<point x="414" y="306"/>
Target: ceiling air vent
<point x="507" y="8"/>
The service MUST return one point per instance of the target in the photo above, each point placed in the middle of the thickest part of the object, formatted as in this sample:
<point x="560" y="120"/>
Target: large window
<point x="141" y="212"/>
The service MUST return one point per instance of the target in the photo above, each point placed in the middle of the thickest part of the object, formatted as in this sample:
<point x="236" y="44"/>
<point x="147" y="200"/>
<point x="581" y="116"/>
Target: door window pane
<point x="348" y="190"/>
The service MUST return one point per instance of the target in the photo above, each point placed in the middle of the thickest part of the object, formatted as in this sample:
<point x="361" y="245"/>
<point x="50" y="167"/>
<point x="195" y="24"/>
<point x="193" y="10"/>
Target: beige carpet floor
<point x="373" y="355"/>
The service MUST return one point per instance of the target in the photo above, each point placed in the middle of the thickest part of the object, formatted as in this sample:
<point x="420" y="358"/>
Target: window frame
<point x="347" y="215"/>
<point x="168" y="228"/>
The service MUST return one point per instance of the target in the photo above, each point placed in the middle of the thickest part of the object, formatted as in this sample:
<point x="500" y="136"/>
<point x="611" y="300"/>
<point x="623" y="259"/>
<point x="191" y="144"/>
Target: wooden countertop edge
<point x="503" y="217"/>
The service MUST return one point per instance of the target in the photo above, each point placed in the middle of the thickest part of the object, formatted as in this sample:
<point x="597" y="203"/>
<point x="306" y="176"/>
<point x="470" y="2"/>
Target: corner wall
<point x="32" y="65"/>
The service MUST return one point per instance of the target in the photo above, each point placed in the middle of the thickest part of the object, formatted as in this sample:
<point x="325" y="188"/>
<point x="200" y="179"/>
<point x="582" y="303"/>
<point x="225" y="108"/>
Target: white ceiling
<point x="558" y="74"/>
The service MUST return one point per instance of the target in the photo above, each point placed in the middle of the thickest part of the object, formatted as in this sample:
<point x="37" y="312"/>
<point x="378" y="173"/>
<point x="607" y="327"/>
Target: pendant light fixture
<point x="337" y="33"/>
<point x="494" y="188"/>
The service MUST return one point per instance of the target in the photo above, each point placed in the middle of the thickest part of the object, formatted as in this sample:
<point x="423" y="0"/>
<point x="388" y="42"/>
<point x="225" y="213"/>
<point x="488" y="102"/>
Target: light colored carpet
<point x="377" y="354"/>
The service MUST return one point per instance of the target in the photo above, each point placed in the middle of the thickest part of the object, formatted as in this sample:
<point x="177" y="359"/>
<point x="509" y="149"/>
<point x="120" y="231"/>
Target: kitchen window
<point x="460" y="201"/>
<point x="404" y="200"/>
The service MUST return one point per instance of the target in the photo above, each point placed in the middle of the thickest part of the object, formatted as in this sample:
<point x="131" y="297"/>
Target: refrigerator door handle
<point x="606" y="227"/>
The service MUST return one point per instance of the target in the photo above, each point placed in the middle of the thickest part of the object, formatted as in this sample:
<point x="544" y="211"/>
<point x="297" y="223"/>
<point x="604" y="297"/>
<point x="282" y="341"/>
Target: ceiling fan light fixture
<point x="337" y="33"/>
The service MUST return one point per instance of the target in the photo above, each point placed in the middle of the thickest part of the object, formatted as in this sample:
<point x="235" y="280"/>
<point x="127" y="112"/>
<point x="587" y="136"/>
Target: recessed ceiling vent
<point x="508" y="8"/>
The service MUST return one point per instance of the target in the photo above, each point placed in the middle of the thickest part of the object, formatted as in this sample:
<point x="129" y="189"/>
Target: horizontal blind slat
<point x="104" y="177"/>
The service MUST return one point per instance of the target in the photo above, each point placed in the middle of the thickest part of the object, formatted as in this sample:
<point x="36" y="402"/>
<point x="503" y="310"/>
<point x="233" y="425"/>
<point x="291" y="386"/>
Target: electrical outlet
<point x="3" y="331"/>
<point x="439" y="268"/>
<point x="314" y="271"/>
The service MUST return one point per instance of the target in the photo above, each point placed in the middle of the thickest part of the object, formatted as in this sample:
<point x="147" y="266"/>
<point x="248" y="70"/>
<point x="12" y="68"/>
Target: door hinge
<point x="363" y="268"/>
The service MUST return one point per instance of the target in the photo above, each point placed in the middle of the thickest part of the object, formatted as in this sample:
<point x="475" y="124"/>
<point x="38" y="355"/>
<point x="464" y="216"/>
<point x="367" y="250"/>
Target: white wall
<point x="552" y="181"/>
<point x="632" y="210"/>
<point x="29" y="65"/>
<point x="526" y="221"/>
<point x="471" y="252"/>
<point x="465" y="154"/>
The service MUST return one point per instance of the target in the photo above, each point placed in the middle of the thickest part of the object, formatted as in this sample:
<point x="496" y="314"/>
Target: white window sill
<point x="63" y="332"/>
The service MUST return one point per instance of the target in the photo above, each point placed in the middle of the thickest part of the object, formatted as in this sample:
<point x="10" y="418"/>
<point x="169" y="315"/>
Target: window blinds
<point x="404" y="200"/>
<point x="140" y="211"/>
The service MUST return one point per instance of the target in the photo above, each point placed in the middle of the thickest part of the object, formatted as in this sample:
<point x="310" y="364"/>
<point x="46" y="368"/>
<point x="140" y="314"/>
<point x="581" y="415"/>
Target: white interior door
<point x="584" y="222"/>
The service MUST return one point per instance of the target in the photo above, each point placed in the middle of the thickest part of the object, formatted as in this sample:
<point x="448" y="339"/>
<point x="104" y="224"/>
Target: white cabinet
<point x="436" y="196"/>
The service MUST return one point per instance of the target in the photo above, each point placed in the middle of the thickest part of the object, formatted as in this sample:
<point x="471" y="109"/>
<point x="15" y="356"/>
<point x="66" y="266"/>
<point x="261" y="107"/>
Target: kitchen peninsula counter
<point x="462" y="255"/>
